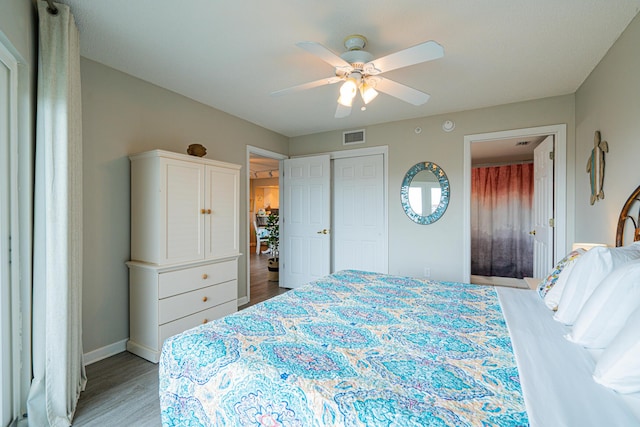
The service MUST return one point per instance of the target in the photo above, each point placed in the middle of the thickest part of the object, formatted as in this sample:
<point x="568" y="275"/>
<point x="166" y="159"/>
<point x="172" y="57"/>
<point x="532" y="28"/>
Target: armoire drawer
<point x="177" y="326"/>
<point x="186" y="303"/>
<point x="186" y="280"/>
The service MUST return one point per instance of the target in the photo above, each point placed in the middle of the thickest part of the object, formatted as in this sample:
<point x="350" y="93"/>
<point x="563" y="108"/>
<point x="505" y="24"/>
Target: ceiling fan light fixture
<point x="368" y="93"/>
<point x="350" y="86"/>
<point x="346" y="101"/>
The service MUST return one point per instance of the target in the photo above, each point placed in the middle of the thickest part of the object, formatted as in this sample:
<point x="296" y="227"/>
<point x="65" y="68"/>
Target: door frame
<point x="272" y="155"/>
<point x="15" y="361"/>
<point x="559" y="133"/>
<point x="361" y="152"/>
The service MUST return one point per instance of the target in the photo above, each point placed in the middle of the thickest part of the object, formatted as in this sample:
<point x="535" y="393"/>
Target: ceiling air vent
<point x="353" y="137"/>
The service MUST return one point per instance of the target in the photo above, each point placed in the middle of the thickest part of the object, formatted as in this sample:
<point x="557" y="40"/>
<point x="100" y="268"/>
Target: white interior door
<point x="543" y="207"/>
<point x="358" y="214"/>
<point x="305" y="254"/>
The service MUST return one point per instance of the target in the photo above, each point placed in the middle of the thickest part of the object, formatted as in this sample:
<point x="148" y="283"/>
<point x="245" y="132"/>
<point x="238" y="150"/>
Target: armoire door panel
<point x="222" y="223"/>
<point x="184" y="201"/>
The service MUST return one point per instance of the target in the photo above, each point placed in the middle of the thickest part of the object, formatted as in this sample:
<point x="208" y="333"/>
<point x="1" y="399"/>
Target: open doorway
<point x="502" y="209"/>
<point x="476" y="144"/>
<point x="263" y="182"/>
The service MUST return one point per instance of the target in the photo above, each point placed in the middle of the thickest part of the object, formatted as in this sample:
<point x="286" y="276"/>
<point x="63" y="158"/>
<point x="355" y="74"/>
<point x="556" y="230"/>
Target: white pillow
<point x="619" y="365"/>
<point x="587" y="273"/>
<point x="611" y="303"/>
<point x="552" y="298"/>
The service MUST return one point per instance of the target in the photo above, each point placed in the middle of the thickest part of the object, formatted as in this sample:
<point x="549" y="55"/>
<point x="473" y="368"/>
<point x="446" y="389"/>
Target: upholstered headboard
<point x="627" y="214"/>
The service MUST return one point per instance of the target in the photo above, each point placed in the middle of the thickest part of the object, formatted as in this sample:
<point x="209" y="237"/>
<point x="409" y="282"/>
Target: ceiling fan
<point x="360" y="72"/>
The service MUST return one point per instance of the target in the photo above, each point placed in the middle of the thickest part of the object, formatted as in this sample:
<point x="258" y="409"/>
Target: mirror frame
<point x="444" y="198"/>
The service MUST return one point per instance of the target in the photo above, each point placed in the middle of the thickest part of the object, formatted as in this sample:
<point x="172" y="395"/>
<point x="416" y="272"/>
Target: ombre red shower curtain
<point x="501" y="218"/>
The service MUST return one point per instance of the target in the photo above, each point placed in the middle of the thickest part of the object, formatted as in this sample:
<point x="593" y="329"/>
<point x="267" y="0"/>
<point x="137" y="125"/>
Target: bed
<point x="367" y="349"/>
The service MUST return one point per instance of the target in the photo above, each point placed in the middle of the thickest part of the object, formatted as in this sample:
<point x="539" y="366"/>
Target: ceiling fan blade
<point x="304" y="86"/>
<point x="323" y="53"/>
<point x="342" y="111"/>
<point x="400" y="91"/>
<point x="422" y="52"/>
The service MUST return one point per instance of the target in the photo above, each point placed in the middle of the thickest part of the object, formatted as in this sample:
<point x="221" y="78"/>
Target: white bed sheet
<point x="555" y="374"/>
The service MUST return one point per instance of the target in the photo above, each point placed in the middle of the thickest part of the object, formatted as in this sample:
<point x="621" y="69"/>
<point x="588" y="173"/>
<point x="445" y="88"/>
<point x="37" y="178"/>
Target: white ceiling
<point x="232" y="54"/>
<point x="504" y="150"/>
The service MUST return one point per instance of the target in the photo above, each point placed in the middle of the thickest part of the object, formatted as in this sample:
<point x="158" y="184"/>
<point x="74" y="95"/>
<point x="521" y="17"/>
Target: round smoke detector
<point x="448" y="125"/>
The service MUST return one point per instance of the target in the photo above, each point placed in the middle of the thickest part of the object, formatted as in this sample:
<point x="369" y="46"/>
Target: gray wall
<point x="609" y="101"/>
<point x="439" y="245"/>
<point x="123" y="115"/>
<point x="18" y="22"/>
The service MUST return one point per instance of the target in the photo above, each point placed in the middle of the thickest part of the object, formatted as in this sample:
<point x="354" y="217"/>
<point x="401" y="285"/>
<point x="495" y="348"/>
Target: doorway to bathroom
<point x="542" y="227"/>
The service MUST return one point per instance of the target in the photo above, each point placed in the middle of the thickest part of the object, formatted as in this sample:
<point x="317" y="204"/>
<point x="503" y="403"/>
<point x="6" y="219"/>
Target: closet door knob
<point x="203" y="211"/>
<point x="532" y="232"/>
<point x="209" y="211"/>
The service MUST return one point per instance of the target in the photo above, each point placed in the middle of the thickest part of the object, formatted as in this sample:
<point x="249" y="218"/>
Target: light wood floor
<point x="261" y="288"/>
<point x="122" y="390"/>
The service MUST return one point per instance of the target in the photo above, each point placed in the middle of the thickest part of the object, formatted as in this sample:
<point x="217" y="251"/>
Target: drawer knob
<point x="203" y="211"/>
<point x="205" y="276"/>
<point x="205" y="321"/>
<point x="205" y="299"/>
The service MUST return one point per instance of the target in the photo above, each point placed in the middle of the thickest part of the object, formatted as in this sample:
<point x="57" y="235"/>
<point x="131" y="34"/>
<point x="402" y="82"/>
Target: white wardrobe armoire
<point x="184" y="246"/>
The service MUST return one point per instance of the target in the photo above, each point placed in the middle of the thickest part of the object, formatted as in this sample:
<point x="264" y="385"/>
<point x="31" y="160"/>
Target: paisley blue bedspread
<point x="352" y="349"/>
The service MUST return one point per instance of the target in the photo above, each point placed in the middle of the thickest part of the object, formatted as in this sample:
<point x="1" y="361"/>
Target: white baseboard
<point x="242" y="301"/>
<point x="144" y="352"/>
<point x="104" y="352"/>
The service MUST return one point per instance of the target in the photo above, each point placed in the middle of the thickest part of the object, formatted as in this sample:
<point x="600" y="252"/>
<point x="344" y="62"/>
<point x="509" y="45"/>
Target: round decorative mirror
<point x="425" y="193"/>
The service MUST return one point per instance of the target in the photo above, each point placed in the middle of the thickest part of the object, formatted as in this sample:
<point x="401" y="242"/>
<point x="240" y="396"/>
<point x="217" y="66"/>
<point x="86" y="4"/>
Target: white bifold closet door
<point x="334" y="217"/>
<point x="358" y="237"/>
<point x="305" y="254"/>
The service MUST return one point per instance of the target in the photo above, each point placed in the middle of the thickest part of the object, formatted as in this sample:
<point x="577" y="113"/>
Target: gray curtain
<point x="58" y="368"/>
